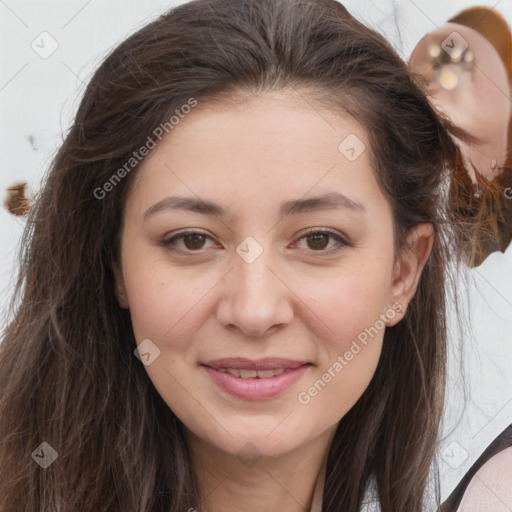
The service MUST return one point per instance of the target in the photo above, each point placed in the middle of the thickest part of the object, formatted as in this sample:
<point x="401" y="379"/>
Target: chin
<point x="242" y="442"/>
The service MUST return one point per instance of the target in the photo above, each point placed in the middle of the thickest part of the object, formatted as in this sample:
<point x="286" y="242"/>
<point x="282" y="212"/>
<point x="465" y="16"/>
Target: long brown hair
<point x="68" y="373"/>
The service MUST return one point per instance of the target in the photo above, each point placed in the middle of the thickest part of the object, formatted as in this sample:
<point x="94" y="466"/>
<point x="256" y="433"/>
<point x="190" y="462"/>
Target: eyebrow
<point x="329" y="201"/>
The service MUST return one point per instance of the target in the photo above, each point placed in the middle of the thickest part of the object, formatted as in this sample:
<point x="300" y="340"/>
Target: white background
<point x="39" y="96"/>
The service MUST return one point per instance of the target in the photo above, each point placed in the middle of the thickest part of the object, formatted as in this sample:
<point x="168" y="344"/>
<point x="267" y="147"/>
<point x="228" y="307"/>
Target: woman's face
<point x="252" y="330"/>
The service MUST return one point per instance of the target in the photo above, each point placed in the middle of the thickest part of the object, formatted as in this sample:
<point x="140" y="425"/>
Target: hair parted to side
<point x="68" y="373"/>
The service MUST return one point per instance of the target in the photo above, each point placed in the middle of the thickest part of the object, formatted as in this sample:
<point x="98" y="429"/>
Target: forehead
<point x="263" y="147"/>
<point x="288" y="124"/>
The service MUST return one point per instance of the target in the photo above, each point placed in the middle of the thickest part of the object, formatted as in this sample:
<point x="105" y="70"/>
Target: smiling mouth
<point x="245" y="368"/>
<point x="255" y="380"/>
<point x="253" y="374"/>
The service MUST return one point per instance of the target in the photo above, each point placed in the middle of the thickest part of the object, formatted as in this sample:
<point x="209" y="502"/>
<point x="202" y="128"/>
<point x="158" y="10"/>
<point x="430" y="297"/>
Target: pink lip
<point x="256" y="388"/>
<point x="269" y="363"/>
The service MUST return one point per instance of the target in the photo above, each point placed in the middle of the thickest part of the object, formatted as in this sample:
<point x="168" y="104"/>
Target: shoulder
<point x="490" y="490"/>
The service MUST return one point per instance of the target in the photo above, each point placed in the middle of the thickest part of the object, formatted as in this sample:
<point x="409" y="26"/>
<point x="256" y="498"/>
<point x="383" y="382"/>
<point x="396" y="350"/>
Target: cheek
<point x="163" y="305"/>
<point x="348" y="353"/>
<point x="351" y="320"/>
<point x="351" y="303"/>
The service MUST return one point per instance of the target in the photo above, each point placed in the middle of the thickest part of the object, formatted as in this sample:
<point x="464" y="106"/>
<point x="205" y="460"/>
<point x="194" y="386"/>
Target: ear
<point x="408" y="268"/>
<point x="120" y="288"/>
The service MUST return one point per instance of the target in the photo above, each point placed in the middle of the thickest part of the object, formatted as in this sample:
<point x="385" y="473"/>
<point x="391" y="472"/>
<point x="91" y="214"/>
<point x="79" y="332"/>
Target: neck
<point x="230" y="483"/>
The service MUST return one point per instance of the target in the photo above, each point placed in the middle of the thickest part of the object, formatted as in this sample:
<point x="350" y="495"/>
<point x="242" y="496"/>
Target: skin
<point x="207" y="302"/>
<point x="480" y="104"/>
<point x="490" y="490"/>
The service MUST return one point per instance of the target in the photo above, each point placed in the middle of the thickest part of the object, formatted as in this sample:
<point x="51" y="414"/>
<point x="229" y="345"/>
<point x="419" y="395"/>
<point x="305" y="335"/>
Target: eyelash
<point x="167" y="243"/>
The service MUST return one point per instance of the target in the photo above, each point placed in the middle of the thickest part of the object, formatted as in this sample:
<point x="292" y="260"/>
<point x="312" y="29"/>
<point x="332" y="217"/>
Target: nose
<point x="255" y="299"/>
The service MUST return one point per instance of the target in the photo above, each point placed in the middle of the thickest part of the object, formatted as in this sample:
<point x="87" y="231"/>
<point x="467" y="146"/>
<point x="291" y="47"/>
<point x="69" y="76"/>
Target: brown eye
<point x="186" y="241"/>
<point x="318" y="241"/>
<point x="194" y="241"/>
